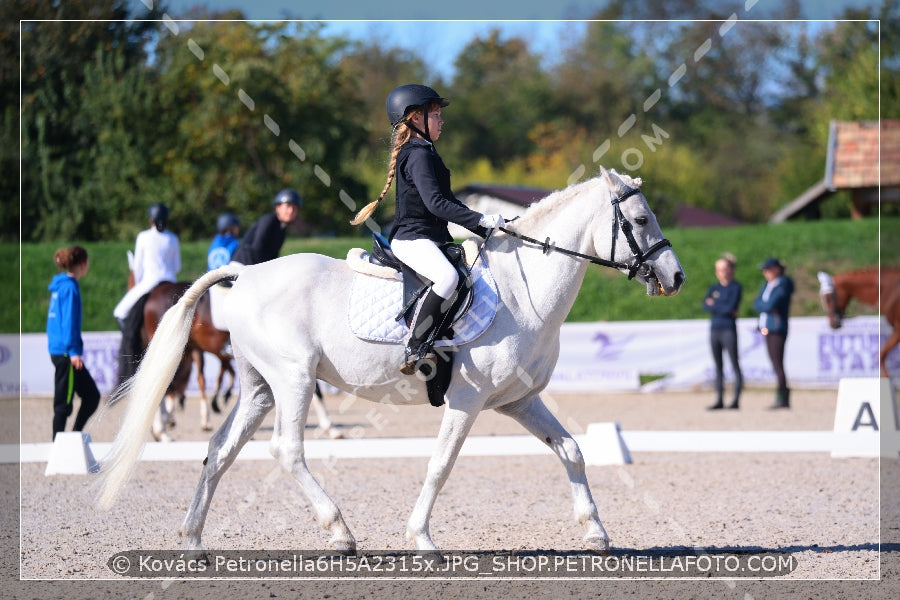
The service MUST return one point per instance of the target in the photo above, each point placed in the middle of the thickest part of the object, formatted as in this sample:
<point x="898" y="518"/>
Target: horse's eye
<point x="641" y="220"/>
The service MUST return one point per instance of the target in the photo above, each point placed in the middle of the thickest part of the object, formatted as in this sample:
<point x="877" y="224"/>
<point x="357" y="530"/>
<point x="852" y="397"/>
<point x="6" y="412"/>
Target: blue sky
<point x="438" y="31"/>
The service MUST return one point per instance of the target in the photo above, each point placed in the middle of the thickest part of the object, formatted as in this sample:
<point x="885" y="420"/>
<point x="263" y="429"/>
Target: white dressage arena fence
<point x="594" y="357"/>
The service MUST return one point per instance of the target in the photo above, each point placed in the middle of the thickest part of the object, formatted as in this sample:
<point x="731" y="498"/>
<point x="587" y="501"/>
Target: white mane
<point x="554" y="199"/>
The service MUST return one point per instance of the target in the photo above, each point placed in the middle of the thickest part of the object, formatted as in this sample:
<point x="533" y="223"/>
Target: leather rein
<point x="639" y="257"/>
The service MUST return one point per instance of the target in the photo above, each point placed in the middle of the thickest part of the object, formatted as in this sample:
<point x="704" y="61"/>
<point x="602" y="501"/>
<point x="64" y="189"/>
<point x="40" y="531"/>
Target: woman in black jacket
<point x="425" y="205"/>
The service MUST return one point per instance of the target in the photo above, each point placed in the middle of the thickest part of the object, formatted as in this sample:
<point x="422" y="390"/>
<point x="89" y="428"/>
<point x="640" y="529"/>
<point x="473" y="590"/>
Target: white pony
<point x="288" y="322"/>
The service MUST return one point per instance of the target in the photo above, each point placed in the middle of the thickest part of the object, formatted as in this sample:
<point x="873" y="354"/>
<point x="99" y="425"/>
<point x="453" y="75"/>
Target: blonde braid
<point x="400" y="135"/>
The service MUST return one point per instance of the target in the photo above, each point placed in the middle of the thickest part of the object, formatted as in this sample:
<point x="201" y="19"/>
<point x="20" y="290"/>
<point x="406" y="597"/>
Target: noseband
<point x="638" y="257"/>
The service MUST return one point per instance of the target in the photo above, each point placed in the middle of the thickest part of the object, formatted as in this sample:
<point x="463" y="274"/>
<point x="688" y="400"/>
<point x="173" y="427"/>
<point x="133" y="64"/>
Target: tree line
<point x="120" y="109"/>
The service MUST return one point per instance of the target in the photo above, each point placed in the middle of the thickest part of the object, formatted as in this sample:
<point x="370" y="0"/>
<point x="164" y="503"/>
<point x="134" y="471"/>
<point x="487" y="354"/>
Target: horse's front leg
<point x="537" y="419"/>
<point x="455" y="426"/>
<point x="224" y="446"/>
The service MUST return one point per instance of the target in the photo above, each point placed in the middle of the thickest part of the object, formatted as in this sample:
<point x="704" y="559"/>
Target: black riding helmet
<point x="226" y="221"/>
<point x="159" y="215"/>
<point x="288" y="195"/>
<point x="406" y="98"/>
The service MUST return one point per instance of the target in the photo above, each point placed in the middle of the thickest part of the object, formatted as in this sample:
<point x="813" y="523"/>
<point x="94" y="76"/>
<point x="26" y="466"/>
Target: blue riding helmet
<point x="227" y="221"/>
<point x="288" y="195"/>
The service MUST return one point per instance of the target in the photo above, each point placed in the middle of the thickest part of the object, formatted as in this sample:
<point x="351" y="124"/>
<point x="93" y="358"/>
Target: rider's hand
<point x="491" y="221"/>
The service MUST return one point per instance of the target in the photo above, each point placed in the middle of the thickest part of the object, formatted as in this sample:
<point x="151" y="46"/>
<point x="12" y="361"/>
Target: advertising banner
<point x="593" y="357"/>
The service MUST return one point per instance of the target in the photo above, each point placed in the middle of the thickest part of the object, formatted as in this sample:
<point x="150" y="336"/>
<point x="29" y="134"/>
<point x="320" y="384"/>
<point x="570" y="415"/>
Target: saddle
<point x="415" y="286"/>
<point x="437" y="378"/>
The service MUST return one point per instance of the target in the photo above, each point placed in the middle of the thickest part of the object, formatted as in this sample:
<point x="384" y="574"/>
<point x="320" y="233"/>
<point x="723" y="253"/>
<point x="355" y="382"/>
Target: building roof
<point x="691" y="216"/>
<point x="859" y="152"/>
<point x="523" y="196"/>
<point x="853" y="154"/>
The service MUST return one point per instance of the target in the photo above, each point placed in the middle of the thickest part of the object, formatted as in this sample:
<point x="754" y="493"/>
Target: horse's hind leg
<point x="160" y="421"/>
<point x="224" y="367"/>
<point x="325" y="424"/>
<point x="536" y="418"/>
<point x="240" y="425"/>
<point x="293" y="397"/>
<point x="214" y="403"/>
<point x="199" y="363"/>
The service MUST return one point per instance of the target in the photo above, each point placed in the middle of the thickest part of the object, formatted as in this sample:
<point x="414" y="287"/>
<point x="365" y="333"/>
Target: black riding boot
<point x="782" y="398"/>
<point x="736" y="398"/>
<point x="718" y="405"/>
<point x="431" y="315"/>
<point x="131" y="344"/>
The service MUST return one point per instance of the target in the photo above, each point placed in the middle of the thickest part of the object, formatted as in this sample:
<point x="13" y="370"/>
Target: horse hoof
<point x="598" y="544"/>
<point x="206" y="427"/>
<point x="334" y="433"/>
<point x="423" y="542"/>
<point x="215" y="407"/>
<point x="343" y="546"/>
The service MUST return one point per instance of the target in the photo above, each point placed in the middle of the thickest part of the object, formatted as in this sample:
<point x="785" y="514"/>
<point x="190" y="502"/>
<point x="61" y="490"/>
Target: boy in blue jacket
<point x="65" y="344"/>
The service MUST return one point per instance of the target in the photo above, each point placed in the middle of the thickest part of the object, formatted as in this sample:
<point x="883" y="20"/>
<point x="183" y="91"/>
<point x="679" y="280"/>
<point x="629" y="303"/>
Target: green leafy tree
<point x="376" y="70"/>
<point x="500" y="93"/>
<point x="260" y="109"/>
<point x="56" y="155"/>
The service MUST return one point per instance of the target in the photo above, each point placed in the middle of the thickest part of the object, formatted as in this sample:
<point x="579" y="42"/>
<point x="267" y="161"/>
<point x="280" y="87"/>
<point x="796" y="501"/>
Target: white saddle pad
<point x="374" y="302"/>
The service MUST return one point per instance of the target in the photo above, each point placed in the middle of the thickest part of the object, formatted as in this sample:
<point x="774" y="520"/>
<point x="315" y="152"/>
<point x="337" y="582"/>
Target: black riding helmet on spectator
<point x="159" y="215"/>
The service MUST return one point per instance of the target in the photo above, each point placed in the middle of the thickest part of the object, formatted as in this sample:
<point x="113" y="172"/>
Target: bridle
<point x="639" y="257"/>
<point x="830" y="304"/>
<point x="829" y="298"/>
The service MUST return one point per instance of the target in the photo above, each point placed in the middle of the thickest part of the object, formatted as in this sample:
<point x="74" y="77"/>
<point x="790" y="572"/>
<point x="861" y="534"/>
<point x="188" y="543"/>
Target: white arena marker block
<point x="603" y="445"/>
<point x="71" y="454"/>
<point x="857" y="417"/>
<point x="890" y="421"/>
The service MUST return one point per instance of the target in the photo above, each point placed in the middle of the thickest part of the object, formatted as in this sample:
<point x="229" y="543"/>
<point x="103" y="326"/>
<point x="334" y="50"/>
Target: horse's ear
<point x="612" y="182"/>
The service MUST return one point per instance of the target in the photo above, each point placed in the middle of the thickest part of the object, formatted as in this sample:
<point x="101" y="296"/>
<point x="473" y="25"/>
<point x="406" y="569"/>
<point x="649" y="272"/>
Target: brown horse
<point x="870" y="286"/>
<point x="203" y="338"/>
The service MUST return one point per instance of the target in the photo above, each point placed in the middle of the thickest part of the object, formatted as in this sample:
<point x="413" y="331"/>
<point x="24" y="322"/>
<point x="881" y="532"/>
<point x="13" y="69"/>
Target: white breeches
<point x="425" y="258"/>
<point x="132" y="296"/>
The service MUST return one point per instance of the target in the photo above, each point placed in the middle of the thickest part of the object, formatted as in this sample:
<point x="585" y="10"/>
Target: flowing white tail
<point x="144" y="390"/>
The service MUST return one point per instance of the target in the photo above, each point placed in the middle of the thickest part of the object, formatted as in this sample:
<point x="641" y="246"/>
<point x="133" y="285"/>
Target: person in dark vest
<point x="722" y="301"/>
<point x="425" y="205"/>
<point x="773" y="303"/>
<point x="264" y="239"/>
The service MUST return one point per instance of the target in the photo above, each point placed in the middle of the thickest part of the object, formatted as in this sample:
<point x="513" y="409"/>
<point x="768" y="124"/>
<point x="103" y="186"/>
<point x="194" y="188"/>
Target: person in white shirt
<point x="157" y="258"/>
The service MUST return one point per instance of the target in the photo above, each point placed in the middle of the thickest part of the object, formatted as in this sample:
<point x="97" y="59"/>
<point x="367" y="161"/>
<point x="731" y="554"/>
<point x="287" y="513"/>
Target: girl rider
<point x="425" y="205"/>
